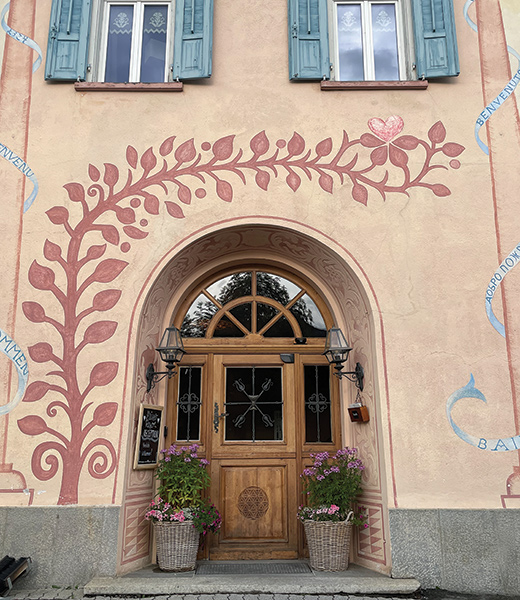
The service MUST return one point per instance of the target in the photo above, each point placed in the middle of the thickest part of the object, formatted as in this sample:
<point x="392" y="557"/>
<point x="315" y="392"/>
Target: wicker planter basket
<point x="329" y="544"/>
<point x="177" y="545"/>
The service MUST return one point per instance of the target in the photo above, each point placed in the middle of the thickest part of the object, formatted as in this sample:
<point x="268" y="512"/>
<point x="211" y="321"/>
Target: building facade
<point x="255" y="174"/>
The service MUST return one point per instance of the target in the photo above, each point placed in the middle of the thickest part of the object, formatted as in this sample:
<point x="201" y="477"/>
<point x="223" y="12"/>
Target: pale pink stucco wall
<point x="428" y="258"/>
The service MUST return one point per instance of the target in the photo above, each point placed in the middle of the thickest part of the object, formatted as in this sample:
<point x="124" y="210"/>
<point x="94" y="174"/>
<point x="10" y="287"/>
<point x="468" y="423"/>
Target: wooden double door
<point x="257" y="417"/>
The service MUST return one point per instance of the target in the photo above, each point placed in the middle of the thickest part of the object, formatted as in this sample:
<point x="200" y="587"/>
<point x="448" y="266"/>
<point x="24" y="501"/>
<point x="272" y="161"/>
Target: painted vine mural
<point x="113" y="210"/>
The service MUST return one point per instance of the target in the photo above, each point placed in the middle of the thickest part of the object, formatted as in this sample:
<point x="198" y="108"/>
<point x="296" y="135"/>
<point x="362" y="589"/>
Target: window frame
<point x="405" y="39"/>
<point x="99" y="39"/>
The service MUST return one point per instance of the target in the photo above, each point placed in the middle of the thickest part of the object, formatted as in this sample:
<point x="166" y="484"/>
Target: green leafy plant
<point x="332" y="486"/>
<point x="205" y="517"/>
<point x="183" y="477"/>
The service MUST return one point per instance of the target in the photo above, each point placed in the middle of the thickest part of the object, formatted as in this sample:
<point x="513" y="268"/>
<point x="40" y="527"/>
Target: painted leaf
<point x="99" y="332"/>
<point x="134" y="232"/>
<point x="95" y="252"/>
<point x="451" y="149"/>
<point x="296" y="144"/>
<point x="105" y="414"/>
<point x="326" y="182"/>
<point x="32" y="425"/>
<point x="58" y="215"/>
<point x="36" y="391"/>
<point x="379" y="155"/>
<point x="75" y="191"/>
<point x="174" y="210"/>
<point x="42" y="278"/>
<point x="34" y="312"/>
<point x="110" y="234"/>
<point x="106" y="300"/>
<point x="324" y="147"/>
<point x="148" y="160"/>
<point x="406" y="142"/>
<point x="51" y="251"/>
<point x="259" y="144"/>
<point x="440" y="190"/>
<point x="108" y="270"/>
<point x="167" y="146"/>
<point x="223" y="148"/>
<point x="437" y="133"/>
<point x="41" y="352"/>
<point x="224" y="190"/>
<point x="293" y="181"/>
<point x="151" y="205"/>
<point x="360" y="194"/>
<point x="93" y="173"/>
<point x="125" y="215"/>
<point x="185" y="152"/>
<point x="131" y="156"/>
<point x="184" y="193"/>
<point x="111" y="174"/>
<point x="262" y="179"/>
<point x="370" y="141"/>
<point x="103" y="373"/>
<point x="398" y="157"/>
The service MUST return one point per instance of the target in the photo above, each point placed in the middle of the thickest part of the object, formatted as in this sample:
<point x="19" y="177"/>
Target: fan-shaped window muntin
<point x="253" y="302"/>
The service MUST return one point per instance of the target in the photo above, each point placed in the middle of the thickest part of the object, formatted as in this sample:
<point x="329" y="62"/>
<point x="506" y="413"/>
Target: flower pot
<point x="329" y="544"/>
<point x="177" y="545"/>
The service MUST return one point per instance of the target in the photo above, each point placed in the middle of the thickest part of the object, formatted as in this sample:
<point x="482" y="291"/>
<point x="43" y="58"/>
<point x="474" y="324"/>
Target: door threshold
<point x="151" y="581"/>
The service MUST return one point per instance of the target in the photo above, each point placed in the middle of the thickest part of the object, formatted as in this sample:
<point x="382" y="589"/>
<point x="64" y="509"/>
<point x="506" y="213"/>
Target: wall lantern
<point x="171" y="350"/>
<point x="337" y="351"/>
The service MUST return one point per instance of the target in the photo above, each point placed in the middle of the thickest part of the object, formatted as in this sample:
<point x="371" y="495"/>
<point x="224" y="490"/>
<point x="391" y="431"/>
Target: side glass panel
<point x="198" y="317"/>
<point x="384" y="28"/>
<point x="188" y="404"/>
<point x="280" y="328"/>
<point x="264" y="313"/>
<point x="226" y="328"/>
<point x="318" y="427"/>
<point x="119" y="45"/>
<point x="277" y="288"/>
<point x="243" y="313"/>
<point x="228" y="288"/>
<point x="309" y="317"/>
<point x="350" y="42"/>
<point x="153" y="54"/>
<point x="254" y="404"/>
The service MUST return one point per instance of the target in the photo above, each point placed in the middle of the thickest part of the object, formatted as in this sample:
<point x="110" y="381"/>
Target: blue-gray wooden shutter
<point x="67" y="50"/>
<point x="308" y="40"/>
<point x="436" y="52"/>
<point x="193" y="39"/>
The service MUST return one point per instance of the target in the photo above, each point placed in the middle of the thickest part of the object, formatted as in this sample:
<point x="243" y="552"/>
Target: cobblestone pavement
<point x="77" y="594"/>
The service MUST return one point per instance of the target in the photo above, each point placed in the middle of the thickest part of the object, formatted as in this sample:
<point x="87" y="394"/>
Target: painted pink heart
<point x="386" y="130"/>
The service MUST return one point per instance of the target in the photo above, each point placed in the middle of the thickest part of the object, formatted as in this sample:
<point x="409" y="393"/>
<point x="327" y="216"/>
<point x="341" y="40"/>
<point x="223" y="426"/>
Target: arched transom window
<point x="253" y="302"/>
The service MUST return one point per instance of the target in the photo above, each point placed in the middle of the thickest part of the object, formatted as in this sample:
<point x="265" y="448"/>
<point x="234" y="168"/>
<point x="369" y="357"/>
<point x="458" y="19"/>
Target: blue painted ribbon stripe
<point x="14" y="353"/>
<point x="5" y="152"/>
<point x="486" y="114"/>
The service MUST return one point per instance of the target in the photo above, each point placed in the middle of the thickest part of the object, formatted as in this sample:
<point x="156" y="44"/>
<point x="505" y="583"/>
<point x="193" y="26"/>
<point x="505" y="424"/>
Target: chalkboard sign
<point x="149" y="437"/>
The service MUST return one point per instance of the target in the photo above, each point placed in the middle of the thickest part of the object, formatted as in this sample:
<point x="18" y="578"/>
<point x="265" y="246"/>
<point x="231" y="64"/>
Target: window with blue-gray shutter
<point x="308" y="40"/>
<point x="134" y="41"/>
<point x="372" y="40"/>
<point x="435" y="39"/>
<point x="68" y="40"/>
<point x="192" y="50"/>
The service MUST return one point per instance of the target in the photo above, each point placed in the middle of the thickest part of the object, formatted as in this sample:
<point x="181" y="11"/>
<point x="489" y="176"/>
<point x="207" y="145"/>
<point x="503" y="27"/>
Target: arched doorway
<point x="256" y="393"/>
<point x="340" y="289"/>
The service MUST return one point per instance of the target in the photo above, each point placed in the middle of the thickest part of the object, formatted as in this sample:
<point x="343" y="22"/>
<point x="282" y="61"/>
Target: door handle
<point x="217" y="417"/>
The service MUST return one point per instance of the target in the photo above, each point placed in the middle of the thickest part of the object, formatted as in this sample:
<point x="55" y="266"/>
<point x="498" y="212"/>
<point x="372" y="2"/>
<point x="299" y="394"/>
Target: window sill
<point x="95" y="86"/>
<point x="332" y="86"/>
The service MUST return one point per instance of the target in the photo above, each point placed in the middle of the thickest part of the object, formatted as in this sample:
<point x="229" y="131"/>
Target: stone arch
<point x="350" y="298"/>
